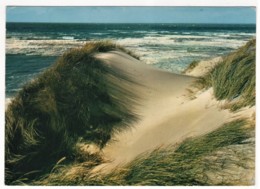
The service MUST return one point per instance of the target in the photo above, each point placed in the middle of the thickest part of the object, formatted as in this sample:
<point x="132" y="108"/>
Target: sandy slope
<point x="168" y="113"/>
<point x="204" y="67"/>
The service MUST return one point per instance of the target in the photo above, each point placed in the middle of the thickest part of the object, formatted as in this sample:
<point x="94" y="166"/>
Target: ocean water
<point x="33" y="47"/>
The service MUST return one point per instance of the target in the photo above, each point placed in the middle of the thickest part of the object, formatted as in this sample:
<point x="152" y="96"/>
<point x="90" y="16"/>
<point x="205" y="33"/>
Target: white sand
<point x="168" y="115"/>
<point x="204" y="67"/>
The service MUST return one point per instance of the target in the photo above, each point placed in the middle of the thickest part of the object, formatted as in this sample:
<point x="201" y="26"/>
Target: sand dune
<point x="120" y="108"/>
<point x="168" y="113"/>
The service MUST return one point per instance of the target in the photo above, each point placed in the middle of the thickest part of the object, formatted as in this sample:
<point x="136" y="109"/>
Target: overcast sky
<point x="132" y="14"/>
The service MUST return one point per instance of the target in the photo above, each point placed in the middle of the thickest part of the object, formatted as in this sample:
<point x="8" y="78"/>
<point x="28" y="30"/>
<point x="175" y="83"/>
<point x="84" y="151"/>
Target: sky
<point x="89" y="14"/>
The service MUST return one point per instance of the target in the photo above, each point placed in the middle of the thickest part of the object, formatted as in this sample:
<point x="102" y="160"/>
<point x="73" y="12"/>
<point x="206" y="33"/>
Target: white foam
<point x="153" y="48"/>
<point x="150" y="47"/>
<point x="99" y="33"/>
<point x="68" y="37"/>
<point x="40" y="47"/>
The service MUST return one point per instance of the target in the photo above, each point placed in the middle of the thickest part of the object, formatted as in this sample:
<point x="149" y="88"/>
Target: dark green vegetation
<point x="175" y="165"/>
<point x="77" y="99"/>
<point x="234" y="79"/>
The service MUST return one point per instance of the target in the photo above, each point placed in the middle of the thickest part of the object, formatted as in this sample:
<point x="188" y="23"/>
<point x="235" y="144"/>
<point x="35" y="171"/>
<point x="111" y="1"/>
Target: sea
<point x="33" y="47"/>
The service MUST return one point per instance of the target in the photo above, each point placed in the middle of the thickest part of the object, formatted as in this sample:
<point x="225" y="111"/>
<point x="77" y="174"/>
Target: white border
<point x="4" y="3"/>
<point x="2" y="91"/>
<point x="257" y="143"/>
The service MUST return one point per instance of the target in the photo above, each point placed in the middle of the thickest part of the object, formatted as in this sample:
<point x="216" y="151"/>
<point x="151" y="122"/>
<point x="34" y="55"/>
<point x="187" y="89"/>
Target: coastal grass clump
<point x="234" y="79"/>
<point x="183" y="165"/>
<point x="76" y="99"/>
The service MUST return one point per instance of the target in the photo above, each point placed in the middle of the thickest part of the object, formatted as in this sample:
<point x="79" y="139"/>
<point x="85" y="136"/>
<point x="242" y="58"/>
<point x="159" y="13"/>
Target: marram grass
<point x="183" y="165"/>
<point x="36" y="121"/>
<point x="234" y="78"/>
<point x="76" y="98"/>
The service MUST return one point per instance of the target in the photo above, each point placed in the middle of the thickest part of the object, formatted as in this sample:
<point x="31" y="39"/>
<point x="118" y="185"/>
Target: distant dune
<point x="109" y="119"/>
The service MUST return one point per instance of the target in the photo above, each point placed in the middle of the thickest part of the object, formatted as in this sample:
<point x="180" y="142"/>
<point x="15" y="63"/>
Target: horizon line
<point x="124" y="23"/>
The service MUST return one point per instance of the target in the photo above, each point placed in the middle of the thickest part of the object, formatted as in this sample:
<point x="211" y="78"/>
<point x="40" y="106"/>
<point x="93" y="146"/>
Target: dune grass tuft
<point x="234" y="79"/>
<point x="77" y="98"/>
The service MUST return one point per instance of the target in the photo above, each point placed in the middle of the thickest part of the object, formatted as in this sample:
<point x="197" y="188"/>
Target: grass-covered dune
<point x="78" y="99"/>
<point x="234" y="78"/>
<point x="195" y="162"/>
<point x="177" y="140"/>
<point x="222" y="157"/>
